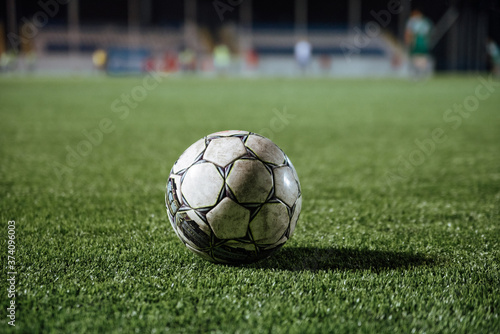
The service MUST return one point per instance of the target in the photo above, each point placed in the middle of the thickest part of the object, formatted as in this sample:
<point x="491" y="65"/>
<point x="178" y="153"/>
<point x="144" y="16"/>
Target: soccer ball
<point x="233" y="197"/>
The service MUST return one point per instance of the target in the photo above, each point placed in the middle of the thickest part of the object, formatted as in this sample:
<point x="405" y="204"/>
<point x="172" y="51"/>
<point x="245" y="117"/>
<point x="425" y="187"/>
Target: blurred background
<point x="244" y="37"/>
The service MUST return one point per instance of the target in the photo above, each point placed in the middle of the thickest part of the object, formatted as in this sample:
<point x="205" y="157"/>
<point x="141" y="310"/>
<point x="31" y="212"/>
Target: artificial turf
<point x="382" y="245"/>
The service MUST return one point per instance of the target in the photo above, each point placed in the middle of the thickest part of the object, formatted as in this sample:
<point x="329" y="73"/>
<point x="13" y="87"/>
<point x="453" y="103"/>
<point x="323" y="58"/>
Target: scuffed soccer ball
<point x="233" y="197"/>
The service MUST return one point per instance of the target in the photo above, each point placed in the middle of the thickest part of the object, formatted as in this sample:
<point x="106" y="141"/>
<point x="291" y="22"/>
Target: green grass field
<point x="390" y="240"/>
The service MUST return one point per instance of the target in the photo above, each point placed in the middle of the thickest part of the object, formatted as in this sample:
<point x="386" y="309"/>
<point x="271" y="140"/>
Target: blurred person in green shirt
<point x="417" y="38"/>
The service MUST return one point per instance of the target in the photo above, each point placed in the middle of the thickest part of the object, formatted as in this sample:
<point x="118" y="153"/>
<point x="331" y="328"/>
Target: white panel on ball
<point x="250" y="181"/>
<point x="295" y="216"/>
<point x="270" y="223"/>
<point x="236" y="244"/>
<point x="265" y="149"/>
<point x="222" y="151"/>
<point x="229" y="220"/>
<point x="189" y="155"/>
<point x="285" y="186"/>
<point x="202" y="185"/>
<point x="293" y="170"/>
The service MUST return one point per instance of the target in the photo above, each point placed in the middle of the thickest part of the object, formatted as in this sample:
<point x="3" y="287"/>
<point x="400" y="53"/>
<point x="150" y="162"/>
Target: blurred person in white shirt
<point x="303" y="52"/>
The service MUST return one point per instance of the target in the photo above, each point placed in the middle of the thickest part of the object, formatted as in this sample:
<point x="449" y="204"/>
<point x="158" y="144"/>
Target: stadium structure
<point x="348" y="38"/>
